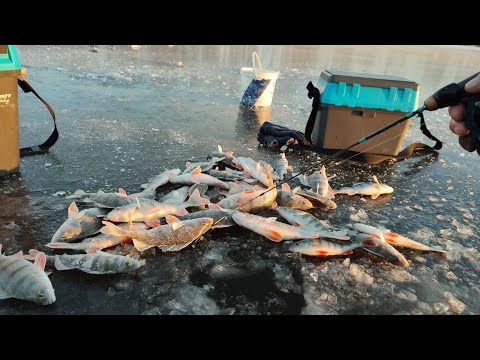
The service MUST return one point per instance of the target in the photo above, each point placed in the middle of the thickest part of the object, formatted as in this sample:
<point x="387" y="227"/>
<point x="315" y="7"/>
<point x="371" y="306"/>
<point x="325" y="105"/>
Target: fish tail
<point x="195" y="200"/>
<point x="438" y="250"/>
<point x="79" y="194"/>
<point x="112" y="229"/>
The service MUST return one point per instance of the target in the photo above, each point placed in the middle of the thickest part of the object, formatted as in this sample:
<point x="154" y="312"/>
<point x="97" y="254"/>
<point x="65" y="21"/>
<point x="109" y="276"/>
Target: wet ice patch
<point x="462" y="229"/>
<point x="359" y="216"/>
<point x="191" y="300"/>
<point x="359" y="274"/>
<point x="424" y="235"/>
<point x="455" y="305"/>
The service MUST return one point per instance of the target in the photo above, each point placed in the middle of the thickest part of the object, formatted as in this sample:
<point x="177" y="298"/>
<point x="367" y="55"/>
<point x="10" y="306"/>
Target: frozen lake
<point x="126" y="115"/>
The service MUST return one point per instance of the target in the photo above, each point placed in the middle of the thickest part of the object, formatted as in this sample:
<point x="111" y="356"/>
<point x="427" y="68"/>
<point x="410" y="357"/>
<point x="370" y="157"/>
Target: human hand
<point x="457" y="125"/>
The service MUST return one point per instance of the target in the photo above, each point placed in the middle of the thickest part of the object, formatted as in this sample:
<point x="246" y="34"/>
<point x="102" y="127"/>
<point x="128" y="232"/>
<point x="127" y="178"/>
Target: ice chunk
<point x="359" y="216"/>
<point x="462" y="229"/>
<point x="406" y="295"/>
<point x="424" y="235"/>
<point x="454" y="304"/>
<point x="359" y="275"/>
<point x="192" y="300"/>
<point x="439" y="308"/>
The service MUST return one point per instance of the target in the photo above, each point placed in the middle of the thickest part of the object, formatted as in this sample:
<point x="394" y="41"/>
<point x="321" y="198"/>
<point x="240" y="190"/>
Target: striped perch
<point x="98" y="263"/>
<point x="23" y="280"/>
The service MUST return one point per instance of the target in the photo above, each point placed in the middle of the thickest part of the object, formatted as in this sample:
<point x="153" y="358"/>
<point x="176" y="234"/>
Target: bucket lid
<point x="9" y="58"/>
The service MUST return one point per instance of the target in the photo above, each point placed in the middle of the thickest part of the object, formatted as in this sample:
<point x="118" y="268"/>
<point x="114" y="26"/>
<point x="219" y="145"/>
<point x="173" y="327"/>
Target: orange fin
<point x="274" y="235"/>
<point x="181" y="211"/>
<point x="152" y="222"/>
<point x="125" y="241"/>
<point x="72" y="209"/>
<point x="198" y="170"/>
<point x="348" y="252"/>
<point x="171" y="219"/>
<point x="321" y="253"/>
<point x="122" y="192"/>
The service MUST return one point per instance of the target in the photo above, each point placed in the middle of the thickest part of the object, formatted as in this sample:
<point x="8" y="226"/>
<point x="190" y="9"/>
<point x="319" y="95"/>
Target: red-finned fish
<point x="290" y="199"/>
<point x="150" y="212"/>
<point x="395" y="239"/>
<point x="196" y="177"/>
<point x="99" y="242"/>
<point x="229" y="159"/>
<point x="272" y="229"/>
<point x="317" y="247"/>
<point x="374" y="189"/>
<point x="230" y="175"/>
<point x="150" y="188"/>
<point x="243" y="199"/>
<point x="257" y="170"/>
<point x="205" y="166"/>
<point x="79" y="225"/>
<point x="177" y="196"/>
<point x="383" y="249"/>
<point x="317" y="200"/>
<point x="216" y="213"/>
<point x="304" y="219"/>
<point x="173" y="236"/>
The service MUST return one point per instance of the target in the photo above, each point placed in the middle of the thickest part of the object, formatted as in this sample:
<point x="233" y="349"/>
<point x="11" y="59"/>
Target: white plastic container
<point x="259" y="82"/>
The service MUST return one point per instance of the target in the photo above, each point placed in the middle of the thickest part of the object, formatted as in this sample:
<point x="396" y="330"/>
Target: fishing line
<point x="323" y="161"/>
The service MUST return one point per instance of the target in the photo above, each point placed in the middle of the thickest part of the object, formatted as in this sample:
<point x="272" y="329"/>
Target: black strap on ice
<point x="366" y="157"/>
<point x="314" y="93"/>
<point x="42" y="148"/>
<point x="423" y="128"/>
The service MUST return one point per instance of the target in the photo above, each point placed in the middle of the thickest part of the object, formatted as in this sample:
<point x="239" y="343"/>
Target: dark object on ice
<point x="272" y="135"/>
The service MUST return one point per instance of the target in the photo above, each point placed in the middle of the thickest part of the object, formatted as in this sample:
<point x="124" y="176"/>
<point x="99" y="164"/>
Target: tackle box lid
<point x="344" y="88"/>
<point x="9" y="58"/>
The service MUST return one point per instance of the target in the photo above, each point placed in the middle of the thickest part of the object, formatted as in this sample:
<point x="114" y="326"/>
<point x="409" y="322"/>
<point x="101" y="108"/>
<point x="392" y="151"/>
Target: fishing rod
<point x="448" y="95"/>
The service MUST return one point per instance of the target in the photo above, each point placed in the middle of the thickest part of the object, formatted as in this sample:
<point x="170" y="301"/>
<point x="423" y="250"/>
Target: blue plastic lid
<point x="9" y="58"/>
<point x="385" y="93"/>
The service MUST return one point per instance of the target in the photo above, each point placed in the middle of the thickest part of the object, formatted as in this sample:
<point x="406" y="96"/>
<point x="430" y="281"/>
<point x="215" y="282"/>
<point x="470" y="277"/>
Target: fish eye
<point x="40" y="294"/>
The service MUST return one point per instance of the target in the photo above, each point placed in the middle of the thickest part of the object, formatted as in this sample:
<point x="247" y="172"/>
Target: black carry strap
<point x="42" y="148"/>
<point x="423" y="128"/>
<point x="314" y="93"/>
<point x="366" y="157"/>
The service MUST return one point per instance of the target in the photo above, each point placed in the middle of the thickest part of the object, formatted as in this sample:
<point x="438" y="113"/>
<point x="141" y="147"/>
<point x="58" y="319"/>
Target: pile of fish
<point x="223" y="191"/>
